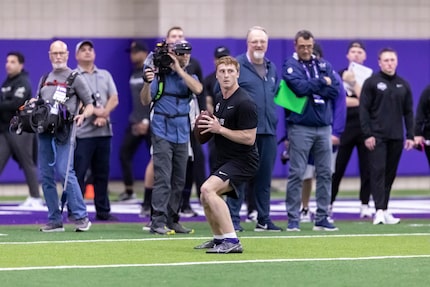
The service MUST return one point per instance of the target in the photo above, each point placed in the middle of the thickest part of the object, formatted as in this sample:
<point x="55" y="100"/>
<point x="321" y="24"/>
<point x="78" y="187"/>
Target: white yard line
<point x="167" y="238"/>
<point x="212" y="263"/>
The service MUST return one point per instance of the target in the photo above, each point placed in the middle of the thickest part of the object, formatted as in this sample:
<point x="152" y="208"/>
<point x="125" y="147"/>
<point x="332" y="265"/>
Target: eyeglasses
<point x="305" y="47"/>
<point x="63" y="53"/>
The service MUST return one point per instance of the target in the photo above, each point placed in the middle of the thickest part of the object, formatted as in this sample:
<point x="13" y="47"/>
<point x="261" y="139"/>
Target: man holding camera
<point x="169" y="88"/>
<point x="55" y="150"/>
<point x="94" y="136"/>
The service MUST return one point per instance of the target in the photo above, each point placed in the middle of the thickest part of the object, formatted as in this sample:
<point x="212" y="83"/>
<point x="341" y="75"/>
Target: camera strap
<point x="160" y="91"/>
<point x="67" y="84"/>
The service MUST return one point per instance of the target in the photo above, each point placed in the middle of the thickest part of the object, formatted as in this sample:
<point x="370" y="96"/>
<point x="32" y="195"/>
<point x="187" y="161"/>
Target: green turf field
<point x="360" y="254"/>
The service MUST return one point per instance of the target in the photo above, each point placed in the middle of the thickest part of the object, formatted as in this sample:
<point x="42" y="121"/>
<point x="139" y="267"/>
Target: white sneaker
<point x="32" y="202"/>
<point x="365" y="211"/>
<point x="390" y="219"/>
<point x="305" y="215"/>
<point x="379" y="217"/>
<point x="252" y="217"/>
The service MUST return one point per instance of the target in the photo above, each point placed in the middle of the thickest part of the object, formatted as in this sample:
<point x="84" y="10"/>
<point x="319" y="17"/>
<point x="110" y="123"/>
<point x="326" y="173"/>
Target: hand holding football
<point x="202" y="138"/>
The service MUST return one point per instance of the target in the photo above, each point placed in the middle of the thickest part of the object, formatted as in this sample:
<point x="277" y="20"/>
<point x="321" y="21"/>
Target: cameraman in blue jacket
<point x="310" y="132"/>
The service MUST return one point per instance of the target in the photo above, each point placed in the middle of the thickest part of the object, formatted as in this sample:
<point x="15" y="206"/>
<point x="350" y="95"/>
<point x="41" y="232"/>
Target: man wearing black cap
<point x="210" y="81"/>
<point x="170" y="93"/>
<point x="138" y="129"/>
<point x="353" y="136"/>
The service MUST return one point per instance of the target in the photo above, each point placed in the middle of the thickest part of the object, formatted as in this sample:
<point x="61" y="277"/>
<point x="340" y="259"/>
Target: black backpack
<point x="41" y="117"/>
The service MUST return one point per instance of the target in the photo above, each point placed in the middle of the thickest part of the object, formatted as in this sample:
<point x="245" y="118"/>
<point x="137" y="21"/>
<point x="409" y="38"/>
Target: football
<point x="202" y="138"/>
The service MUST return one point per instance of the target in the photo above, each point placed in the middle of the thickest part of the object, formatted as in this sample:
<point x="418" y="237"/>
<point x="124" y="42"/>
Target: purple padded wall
<point x="414" y="66"/>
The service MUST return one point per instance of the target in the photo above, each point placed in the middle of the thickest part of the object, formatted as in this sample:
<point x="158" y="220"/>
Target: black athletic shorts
<point x="238" y="172"/>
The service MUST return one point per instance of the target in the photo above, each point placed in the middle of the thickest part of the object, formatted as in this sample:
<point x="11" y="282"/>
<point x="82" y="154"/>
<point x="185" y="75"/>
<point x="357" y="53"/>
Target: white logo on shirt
<point x="381" y="86"/>
<point x="19" y="93"/>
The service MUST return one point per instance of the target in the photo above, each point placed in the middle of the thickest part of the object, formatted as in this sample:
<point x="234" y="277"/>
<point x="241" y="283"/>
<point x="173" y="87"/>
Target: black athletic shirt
<point x="385" y="104"/>
<point x="238" y="112"/>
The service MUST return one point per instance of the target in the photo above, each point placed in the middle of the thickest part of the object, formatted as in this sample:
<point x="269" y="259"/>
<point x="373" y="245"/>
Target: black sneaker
<point x="206" y="245"/>
<point x="126" y="197"/>
<point x="267" y="227"/>
<point x="107" y="217"/>
<point x="180" y="229"/>
<point x="226" y="247"/>
<point x="238" y="227"/>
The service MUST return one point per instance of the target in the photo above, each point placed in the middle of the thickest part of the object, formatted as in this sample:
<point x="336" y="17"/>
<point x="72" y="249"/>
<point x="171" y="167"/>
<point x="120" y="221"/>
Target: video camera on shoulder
<point x="161" y="58"/>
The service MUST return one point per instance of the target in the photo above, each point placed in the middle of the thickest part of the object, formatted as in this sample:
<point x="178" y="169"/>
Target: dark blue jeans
<point x="94" y="153"/>
<point x="267" y="149"/>
<point x="260" y="184"/>
<point x="234" y="205"/>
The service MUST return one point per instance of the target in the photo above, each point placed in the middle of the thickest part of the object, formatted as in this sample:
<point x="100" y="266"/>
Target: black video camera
<point x="161" y="57"/>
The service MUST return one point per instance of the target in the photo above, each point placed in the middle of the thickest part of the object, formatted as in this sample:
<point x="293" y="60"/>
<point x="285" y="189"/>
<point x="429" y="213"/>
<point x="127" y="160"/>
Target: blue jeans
<point x="53" y="157"/>
<point x="304" y="140"/>
<point x="235" y="204"/>
<point x="261" y="183"/>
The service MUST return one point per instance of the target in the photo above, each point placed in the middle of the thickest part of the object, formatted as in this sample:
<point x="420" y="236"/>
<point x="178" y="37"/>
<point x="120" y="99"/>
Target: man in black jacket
<point x="15" y="90"/>
<point x="385" y="103"/>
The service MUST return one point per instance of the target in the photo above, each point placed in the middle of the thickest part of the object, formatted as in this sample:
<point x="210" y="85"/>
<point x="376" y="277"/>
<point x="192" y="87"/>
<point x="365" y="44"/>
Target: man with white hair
<point x="55" y="147"/>
<point x="258" y="77"/>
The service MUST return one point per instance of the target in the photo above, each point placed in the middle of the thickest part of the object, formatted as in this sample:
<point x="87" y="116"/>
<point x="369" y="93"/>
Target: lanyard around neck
<point x="314" y="66"/>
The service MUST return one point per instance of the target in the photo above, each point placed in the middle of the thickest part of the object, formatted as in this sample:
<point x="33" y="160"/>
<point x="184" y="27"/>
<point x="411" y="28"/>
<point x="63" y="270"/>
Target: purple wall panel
<point x="414" y="65"/>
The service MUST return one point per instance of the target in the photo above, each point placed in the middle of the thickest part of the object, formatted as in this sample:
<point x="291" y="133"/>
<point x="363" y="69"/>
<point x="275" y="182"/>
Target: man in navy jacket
<point x="310" y="131"/>
<point x="259" y="78"/>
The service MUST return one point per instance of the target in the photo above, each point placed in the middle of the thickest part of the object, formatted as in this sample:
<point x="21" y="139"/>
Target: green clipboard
<point x="287" y="99"/>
